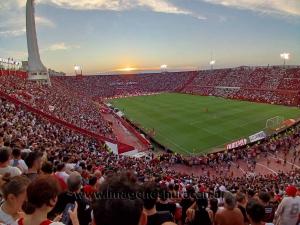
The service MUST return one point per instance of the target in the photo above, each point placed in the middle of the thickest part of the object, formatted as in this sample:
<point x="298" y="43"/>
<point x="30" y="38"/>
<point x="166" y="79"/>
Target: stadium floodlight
<point x="285" y="56"/>
<point x="212" y="63"/>
<point x="164" y="67"/>
<point x="78" y="70"/>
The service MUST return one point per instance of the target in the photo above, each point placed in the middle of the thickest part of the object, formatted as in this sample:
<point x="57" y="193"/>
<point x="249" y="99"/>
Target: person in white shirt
<point x="5" y="168"/>
<point x="14" y="194"/>
<point x="16" y="161"/>
<point x="60" y="172"/>
<point x="288" y="210"/>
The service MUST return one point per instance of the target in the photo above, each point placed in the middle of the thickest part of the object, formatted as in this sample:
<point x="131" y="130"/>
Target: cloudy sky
<point x="106" y="35"/>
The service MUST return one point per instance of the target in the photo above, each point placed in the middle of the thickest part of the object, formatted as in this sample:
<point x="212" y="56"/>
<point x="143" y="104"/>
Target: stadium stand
<point x="24" y="130"/>
<point x="125" y="85"/>
<point x="274" y="85"/>
<point x="59" y="102"/>
<point x="61" y="160"/>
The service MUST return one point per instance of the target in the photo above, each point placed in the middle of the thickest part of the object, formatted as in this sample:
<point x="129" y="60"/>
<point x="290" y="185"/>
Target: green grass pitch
<point x="181" y="123"/>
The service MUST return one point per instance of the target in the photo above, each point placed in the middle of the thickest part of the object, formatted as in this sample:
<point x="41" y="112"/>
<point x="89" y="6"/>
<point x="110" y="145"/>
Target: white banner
<point x="113" y="147"/>
<point x="237" y="144"/>
<point x="258" y="136"/>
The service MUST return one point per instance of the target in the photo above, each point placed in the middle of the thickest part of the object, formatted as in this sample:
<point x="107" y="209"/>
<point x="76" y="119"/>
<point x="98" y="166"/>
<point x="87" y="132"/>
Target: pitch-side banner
<point x="237" y="144"/>
<point x="258" y="136"/>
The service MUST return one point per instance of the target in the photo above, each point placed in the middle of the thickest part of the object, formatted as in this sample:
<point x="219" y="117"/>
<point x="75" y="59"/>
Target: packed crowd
<point x="58" y="101"/>
<point x="77" y="100"/>
<point x="125" y="85"/>
<point x="271" y="85"/>
<point x="51" y="175"/>
<point x="46" y="168"/>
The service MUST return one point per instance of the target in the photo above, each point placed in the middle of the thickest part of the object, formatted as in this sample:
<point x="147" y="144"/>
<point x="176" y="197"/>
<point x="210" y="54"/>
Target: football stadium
<point x="149" y="112"/>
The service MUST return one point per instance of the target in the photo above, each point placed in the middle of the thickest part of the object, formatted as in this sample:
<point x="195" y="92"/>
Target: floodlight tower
<point x="285" y="56"/>
<point x="163" y="68"/>
<point x="78" y="70"/>
<point x="212" y="63"/>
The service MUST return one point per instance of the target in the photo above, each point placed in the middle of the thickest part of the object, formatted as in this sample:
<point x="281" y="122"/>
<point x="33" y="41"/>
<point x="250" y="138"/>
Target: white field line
<point x="223" y="129"/>
<point x="288" y="162"/>
<point x="172" y="142"/>
<point x="242" y="170"/>
<point x="169" y="140"/>
<point x="242" y="125"/>
<point x="268" y="168"/>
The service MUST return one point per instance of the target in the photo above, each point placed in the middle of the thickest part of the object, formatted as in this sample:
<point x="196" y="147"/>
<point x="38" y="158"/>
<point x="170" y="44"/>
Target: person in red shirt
<point x="90" y="188"/>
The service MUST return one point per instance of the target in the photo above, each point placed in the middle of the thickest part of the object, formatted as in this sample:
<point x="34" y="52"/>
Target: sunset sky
<point x="107" y="35"/>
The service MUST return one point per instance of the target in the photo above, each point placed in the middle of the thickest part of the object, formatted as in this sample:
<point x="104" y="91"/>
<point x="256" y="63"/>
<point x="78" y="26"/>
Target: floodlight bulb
<point x="164" y="66"/>
<point x="212" y="62"/>
<point x="285" y="56"/>
<point x="76" y="68"/>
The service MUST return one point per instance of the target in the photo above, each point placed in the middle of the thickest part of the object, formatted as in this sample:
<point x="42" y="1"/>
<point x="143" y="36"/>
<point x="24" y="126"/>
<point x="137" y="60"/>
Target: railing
<point x="133" y="130"/>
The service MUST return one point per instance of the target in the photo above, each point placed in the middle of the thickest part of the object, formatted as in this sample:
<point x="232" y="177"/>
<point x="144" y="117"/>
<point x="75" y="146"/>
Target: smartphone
<point x="65" y="216"/>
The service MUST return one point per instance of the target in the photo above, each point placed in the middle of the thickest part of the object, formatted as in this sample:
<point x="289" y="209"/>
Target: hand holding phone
<point x="73" y="215"/>
<point x="66" y="215"/>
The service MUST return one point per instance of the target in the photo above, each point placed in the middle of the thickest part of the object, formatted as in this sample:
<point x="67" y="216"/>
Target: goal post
<point x="274" y="123"/>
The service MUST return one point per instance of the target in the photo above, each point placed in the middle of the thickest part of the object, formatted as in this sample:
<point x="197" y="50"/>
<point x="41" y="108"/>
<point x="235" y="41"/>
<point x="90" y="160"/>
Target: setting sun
<point x="127" y="69"/>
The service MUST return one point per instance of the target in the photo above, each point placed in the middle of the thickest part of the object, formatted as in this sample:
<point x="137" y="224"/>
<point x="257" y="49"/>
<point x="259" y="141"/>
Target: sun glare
<point x="127" y="69"/>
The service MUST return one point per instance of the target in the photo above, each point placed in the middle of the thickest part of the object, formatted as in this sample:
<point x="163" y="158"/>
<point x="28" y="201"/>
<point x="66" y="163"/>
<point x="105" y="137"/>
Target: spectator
<point x="256" y="213"/>
<point x="16" y="161"/>
<point x="5" y="168"/>
<point x="70" y="197"/>
<point x="126" y="209"/>
<point x="47" y="168"/>
<point x="250" y="194"/>
<point x="60" y="172"/>
<point x="288" y="210"/>
<point x="214" y="206"/>
<point x="41" y="198"/>
<point x="242" y="203"/>
<point x="265" y="198"/>
<point x="91" y="188"/>
<point x="150" y="196"/>
<point x="14" y="194"/>
<point x="230" y="214"/>
<point x="34" y="163"/>
<point x="164" y="203"/>
<point x="200" y="214"/>
<point x="187" y="201"/>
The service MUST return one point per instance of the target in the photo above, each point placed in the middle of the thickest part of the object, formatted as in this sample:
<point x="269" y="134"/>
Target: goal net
<point x="274" y="123"/>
